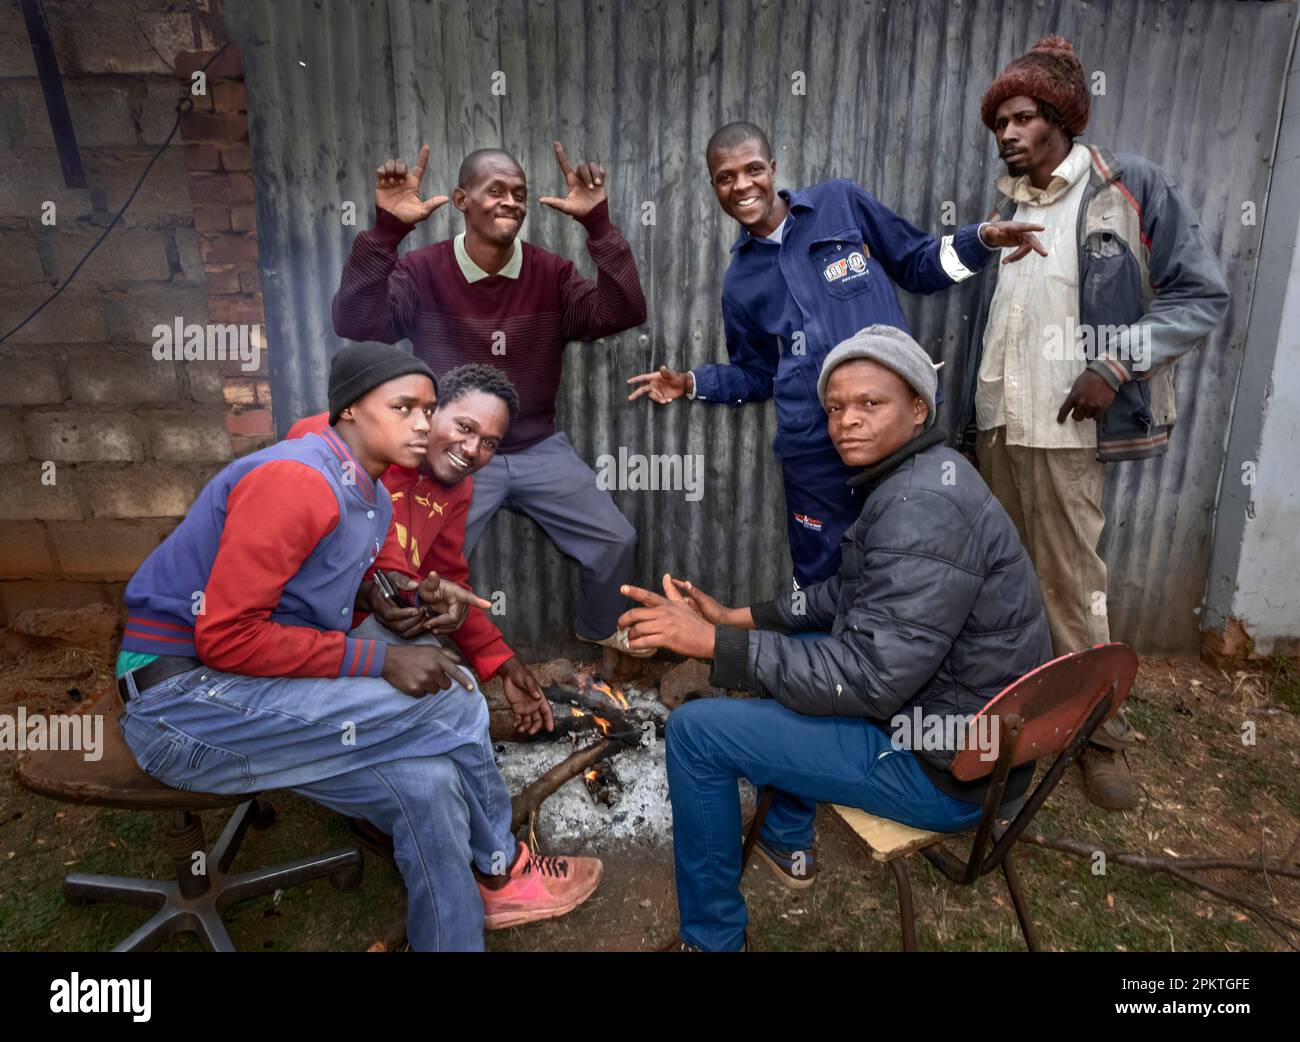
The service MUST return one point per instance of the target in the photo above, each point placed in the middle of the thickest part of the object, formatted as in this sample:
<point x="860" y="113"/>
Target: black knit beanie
<point x="359" y="368"/>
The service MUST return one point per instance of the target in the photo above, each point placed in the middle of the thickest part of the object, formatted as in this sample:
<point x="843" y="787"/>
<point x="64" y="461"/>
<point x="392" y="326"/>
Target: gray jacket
<point x="935" y="605"/>
<point x="1150" y="289"/>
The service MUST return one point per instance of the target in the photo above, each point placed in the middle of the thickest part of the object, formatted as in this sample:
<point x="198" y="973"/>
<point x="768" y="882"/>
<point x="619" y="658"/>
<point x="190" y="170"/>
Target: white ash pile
<point x="599" y="780"/>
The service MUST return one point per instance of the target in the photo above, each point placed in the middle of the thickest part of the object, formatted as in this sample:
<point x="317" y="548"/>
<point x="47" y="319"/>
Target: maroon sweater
<point x="424" y="297"/>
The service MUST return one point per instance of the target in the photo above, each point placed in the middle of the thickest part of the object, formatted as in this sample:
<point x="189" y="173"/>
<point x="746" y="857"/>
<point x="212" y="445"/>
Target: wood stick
<point x="531" y="796"/>
<point x="1178" y="868"/>
<point x="1134" y="860"/>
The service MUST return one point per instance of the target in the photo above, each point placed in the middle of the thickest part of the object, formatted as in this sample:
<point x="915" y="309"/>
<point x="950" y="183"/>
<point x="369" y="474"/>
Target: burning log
<point x="603" y="783"/>
<point x="594" y="704"/>
<point x="585" y="705"/>
<point x="531" y="796"/>
<point x="580" y="710"/>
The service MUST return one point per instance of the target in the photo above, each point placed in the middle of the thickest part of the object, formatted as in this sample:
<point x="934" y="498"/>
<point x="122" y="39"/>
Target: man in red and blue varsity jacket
<point x="240" y="672"/>
<point x="485" y="296"/>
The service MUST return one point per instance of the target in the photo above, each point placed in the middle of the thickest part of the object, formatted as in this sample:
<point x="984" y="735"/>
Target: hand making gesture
<point x="1001" y="234"/>
<point x="666" y="622"/>
<point x="663" y="385"/>
<point x="586" y="186"/>
<point x="398" y="191"/>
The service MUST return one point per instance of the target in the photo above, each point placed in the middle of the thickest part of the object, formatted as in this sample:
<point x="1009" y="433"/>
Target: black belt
<point x="160" y="669"/>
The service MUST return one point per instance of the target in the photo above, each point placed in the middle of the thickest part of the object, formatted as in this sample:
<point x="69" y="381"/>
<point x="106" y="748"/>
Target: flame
<point x="612" y="693"/>
<point x="603" y="724"/>
<point x="591" y="775"/>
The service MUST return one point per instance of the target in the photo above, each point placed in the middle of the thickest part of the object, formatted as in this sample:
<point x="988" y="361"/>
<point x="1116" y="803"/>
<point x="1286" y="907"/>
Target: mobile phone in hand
<point x="386" y="588"/>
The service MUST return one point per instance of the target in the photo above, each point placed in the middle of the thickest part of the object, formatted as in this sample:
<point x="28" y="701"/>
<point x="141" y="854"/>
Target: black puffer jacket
<point x="935" y="605"/>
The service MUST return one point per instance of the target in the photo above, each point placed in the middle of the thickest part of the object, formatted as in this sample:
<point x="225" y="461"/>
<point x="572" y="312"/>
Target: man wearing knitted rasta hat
<point x="1071" y="362"/>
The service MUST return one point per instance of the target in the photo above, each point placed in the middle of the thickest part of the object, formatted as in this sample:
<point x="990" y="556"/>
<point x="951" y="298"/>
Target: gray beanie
<point x="893" y="349"/>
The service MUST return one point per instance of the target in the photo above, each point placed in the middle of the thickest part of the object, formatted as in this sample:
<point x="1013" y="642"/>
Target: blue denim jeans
<point x="808" y="759"/>
<point x="421" y="769"/>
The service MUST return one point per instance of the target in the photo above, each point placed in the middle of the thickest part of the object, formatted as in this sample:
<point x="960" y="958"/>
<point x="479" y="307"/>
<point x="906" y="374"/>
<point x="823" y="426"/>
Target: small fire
<point x="591" y="775"/>
<point x="612" y="693"/>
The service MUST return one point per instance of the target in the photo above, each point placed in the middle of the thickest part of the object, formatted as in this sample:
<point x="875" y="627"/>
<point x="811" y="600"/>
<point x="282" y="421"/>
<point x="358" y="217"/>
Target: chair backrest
<point x="1052" y="703"/>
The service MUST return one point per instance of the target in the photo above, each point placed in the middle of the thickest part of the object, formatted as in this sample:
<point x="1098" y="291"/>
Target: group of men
<point x="309" y="625"/>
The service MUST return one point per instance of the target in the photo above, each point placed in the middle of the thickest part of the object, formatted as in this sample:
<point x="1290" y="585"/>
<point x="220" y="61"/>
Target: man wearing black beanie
<point x="238" y="672"/>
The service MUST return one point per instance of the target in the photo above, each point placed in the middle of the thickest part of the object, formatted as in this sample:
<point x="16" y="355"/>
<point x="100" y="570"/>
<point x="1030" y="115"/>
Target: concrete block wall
<point x="102" y="445"/>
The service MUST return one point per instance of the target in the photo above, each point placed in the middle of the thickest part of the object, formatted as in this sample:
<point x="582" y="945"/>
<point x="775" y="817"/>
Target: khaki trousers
<point x="1054" y="498"/>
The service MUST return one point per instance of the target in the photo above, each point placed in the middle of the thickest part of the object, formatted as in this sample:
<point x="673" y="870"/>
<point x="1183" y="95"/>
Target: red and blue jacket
<point x="261" y="576"/>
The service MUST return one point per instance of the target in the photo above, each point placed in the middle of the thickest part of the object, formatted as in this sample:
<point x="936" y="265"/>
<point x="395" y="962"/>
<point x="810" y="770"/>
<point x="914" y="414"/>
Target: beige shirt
<point x="473" y="272"/>
<point x="1030" y="358"/>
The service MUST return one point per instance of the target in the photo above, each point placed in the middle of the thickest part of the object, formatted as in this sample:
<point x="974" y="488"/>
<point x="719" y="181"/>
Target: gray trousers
<point x="551" y="484"/>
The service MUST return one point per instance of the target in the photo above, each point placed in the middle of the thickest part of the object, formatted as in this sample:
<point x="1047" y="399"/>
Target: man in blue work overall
<point x="809" y="269"/>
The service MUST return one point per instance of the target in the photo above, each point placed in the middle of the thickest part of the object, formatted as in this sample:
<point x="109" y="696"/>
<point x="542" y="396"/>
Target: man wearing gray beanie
<point x="934" y="610"/>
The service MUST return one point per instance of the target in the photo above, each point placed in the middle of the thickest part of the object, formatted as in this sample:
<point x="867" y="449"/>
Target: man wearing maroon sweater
<point x="484" y="296"/>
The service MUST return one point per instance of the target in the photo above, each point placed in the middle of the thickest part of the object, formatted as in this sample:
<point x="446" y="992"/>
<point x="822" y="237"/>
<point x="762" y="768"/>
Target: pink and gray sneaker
<point x="539" y="887"/>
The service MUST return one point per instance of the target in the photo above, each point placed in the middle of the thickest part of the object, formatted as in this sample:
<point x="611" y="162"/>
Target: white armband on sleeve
<point x="952" y="265"/>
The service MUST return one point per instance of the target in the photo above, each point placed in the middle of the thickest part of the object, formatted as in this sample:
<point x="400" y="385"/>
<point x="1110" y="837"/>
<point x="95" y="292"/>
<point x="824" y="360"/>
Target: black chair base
<point x="198" y="902"/>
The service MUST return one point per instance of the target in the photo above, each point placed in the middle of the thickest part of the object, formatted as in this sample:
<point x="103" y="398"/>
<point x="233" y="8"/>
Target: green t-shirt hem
<point x="129" y="660"/>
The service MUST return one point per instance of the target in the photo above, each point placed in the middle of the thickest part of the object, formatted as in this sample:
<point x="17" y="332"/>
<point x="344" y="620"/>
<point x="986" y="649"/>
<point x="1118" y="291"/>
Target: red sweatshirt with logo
<point x="429" y="522"/>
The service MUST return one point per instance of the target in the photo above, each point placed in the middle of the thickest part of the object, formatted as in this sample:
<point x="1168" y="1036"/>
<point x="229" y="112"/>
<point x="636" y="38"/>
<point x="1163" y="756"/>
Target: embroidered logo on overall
<point x="811" y="523"/>
<point x="850" y="267"/>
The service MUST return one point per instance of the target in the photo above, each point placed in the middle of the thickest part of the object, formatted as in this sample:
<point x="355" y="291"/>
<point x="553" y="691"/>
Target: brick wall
<point x="102" y="446"/>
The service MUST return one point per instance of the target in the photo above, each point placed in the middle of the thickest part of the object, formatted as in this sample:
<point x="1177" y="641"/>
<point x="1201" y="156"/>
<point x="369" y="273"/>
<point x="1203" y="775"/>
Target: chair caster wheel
<point x="349" y="878"/>
<point x="263" y="817"/>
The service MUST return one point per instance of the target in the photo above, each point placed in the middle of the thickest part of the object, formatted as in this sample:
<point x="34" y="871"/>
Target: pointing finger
<point x="652" y="600"/>
<point x="421" y="163"/>
<point x="562" y="159"/>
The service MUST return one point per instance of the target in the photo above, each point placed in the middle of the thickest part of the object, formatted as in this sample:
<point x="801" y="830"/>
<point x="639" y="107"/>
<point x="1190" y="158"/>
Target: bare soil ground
<point x="1206" y="793"/>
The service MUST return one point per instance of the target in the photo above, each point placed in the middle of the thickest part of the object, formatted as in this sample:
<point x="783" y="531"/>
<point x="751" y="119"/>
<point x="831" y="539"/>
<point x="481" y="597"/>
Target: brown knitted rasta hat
<point x="1051" y="72"/>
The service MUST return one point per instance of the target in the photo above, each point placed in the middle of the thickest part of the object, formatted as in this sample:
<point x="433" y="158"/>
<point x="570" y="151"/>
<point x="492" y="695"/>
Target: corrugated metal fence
<point x="892" y="96"/>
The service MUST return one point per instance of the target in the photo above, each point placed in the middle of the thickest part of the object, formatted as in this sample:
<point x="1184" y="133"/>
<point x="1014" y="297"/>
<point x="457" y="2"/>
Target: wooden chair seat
<point x="885" y="839"/>
<point x="114" y="780"/>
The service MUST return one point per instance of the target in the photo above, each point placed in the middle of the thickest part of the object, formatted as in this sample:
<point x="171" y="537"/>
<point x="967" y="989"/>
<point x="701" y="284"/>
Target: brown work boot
<point x="1107" y="780"/>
